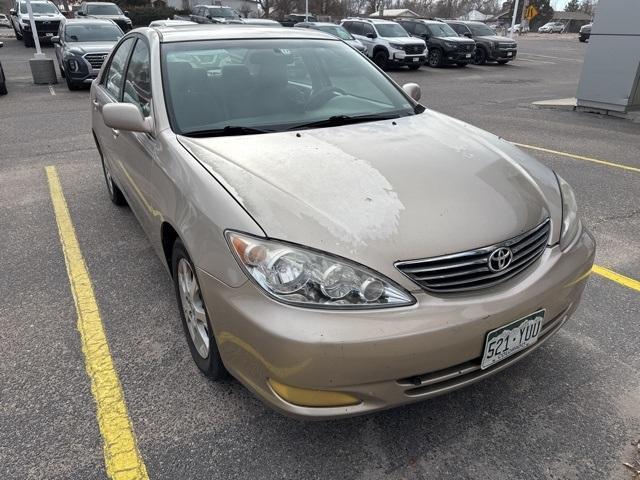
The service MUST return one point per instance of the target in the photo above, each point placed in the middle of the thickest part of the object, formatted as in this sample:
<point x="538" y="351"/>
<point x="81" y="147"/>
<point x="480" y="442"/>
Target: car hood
<point x="404" y="40"/>
<point x="45" y="16"/>
<point x="497" y="38"/>
<point x="355" y="43"/>
<point x="90" y="47"/>
<point x="380" y="192"/>
<point x="111" y="17"/>
<point x="458" y="40"/>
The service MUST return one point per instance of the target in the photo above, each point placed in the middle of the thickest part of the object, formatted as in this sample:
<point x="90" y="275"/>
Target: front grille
<point x="47" y="26"/>
<point x="471" y="270"/>
<point x="413" y="49"/>
<point x="466" y="48"/>
<point x="96" y="59"/>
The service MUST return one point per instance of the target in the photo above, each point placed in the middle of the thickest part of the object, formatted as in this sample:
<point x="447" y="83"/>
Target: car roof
<point x="367" y="20"/>
<point x="317" y="24"/>
<point x="87" y="21"/>
<point x="188" y="33"/>
<point x="99" y="3"/>
<point x="421" y="20"/>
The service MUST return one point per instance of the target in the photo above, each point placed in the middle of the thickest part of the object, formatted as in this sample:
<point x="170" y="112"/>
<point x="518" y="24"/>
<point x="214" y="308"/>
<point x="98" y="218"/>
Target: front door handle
<point x="96" y="104"/>
<point x="115" y="132"/>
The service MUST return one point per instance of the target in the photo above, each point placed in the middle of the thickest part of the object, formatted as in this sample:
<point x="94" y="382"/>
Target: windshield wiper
<point x="338" y="120"/>
<point x="228" y="131"/>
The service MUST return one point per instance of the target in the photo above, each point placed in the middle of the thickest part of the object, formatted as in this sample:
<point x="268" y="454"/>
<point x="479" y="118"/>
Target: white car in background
<point x="552" y="27"/>
<point x="4" y="21"/>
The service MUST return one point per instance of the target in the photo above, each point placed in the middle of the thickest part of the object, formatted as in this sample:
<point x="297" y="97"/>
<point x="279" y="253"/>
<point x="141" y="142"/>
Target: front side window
<point x="459" y="28"/>
<point x="103" y="10"/>
<point x="367" y="30"/>
<point x="272" y="85"/>
<point x="92" y="33"/>
<point x="479" y="30"/>
<point x="115" y="74"/>
<point x="137" y="84"/>
<point x="391" y="30"/>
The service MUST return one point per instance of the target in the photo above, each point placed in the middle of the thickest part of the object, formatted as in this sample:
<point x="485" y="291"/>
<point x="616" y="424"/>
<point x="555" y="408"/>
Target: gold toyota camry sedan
<point x="335" y="245"/>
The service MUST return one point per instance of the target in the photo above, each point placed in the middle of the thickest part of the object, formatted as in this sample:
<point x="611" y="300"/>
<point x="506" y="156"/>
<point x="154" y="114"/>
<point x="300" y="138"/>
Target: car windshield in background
<point x="103" y="10"/>
<point x="441" y="30"/>
<point x="223" y="13"/>
<point x="391" y="30"/>
<point x="92" y="33"/>
<point x="256" y="86"/>
<point x="39" y="8"/>
<point x="336" y="31"/>
<point x="480" y="30"/>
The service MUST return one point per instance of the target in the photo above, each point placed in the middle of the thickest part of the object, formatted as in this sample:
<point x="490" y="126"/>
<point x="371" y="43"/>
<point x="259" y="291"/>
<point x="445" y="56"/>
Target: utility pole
<point x="513" y="18"/>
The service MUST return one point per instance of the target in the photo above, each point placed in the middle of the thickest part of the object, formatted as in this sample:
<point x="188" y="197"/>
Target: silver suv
<point x="387" y="43"/>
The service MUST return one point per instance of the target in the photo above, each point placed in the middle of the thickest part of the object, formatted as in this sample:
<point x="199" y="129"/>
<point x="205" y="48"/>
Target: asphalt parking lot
<point x="569" y="411"/>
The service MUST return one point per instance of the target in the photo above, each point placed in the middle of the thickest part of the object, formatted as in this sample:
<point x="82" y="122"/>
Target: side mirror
<point x="413" y="90"/>
<point x="55" y="39"/>
<point x="126" y="116"/>
<point x="80" y="13"/>
<point x="126" y="13"/>
<point x="371" y="35"/>
<point x="468" y="35"/>
<point x="209" y="17"/>
<point x="1" y="44"/>
<point x="12" y="12"/>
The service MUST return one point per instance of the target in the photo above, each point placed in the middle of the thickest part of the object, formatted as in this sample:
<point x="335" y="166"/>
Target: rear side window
<point x="137" y="84"/>
<point x="409" y="26"/>
<point x="115" y="75"/>
<point x="356" y="28"/>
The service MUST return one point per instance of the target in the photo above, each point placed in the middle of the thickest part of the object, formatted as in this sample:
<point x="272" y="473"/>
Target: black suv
<point x="443" y="43"/>
<point x="489" y="46"/>
<point x="105" y="11"/>
<point x="293" y="18"/>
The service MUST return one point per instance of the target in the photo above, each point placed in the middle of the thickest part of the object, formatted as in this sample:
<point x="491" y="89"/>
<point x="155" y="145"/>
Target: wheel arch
<point x="168" y="237"/>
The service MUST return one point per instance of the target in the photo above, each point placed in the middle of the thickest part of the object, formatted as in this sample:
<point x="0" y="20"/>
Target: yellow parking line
<point x="121" y="455"/>
<point x="616" y="277"/>
<point x="578" y="157"/>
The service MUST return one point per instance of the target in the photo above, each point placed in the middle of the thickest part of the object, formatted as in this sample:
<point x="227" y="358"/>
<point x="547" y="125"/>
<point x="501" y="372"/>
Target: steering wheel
<point x="322" y="96"/>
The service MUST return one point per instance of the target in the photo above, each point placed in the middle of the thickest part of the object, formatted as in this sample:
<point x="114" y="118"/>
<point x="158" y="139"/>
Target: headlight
<point x="570" y="220"/>
<point x="308" y="278"/>
<point x="450" y="45"/>
<point x="73" y="65"/>
<point x="397" y="46"/>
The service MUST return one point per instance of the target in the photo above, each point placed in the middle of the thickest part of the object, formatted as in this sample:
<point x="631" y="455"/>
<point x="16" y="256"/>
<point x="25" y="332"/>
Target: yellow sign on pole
<point x="531" y="12"/>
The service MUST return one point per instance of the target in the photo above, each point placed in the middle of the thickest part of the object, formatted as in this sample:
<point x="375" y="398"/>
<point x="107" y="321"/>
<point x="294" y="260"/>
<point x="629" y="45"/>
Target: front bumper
<point x="584" y="36"/>
<point x="503" y="54"/>
<point x="457" y="56"/>
<point x="401" y="58"/>
<point x="386" y="357"/>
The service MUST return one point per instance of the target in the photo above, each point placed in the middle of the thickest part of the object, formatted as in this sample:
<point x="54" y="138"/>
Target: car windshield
<point x="336" y="31"/>
<point x="257" y="86"/>
<point x="441" y="30"/>
<point x="92" y="33"/>
<point x="480" y="30"/>
<point x="39" y="8"/>
<point x="223" y="13"/>
<point x="103" y="10"/>
<point x="390" y="30"/>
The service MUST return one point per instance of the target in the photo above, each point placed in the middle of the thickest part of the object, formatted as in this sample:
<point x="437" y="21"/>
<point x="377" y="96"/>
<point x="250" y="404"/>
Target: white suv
<point x="387" y="43"/>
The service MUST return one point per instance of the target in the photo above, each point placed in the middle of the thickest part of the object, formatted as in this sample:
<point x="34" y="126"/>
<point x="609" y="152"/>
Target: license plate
<point x="468" y="55"/>
<point x="416" y="59"/>
<point x="509" y="54"/>
<point x="512" y="338"/>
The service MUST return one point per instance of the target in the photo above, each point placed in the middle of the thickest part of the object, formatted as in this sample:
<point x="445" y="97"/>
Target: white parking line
<point x="564" y="59"/>
<point x="520" y="59"/>
<point x="52" y="91"/>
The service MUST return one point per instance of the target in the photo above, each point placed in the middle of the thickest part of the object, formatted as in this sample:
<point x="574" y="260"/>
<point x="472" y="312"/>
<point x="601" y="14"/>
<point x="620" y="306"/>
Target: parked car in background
<point x="45" y="14"/>
<point x="170" y="23"/>
<point x="105" y="11"/>
<point x="443" y="43"/>
<point x="4" y="21"/>
<point x="489" y="46"/>
<point x="552" y="27"/>
<point x="387" y="43"/>
<point x="3" y="80"/>
<point x="335" y="30"/>
<point x="81" y="46"/>
<point x="264" y="22"/>
<point x="293" y="18"/>
<point x="585" y="32"/>
<point x="329" y="244"/>
<point x="214" y="14"/>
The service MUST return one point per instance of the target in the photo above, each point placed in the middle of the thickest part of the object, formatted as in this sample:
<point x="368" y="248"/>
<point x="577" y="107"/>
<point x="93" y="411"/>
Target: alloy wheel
<point x="193" y="308"/>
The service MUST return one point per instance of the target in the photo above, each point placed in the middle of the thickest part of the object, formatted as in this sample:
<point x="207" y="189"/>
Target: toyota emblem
<point x="500" y="259"/>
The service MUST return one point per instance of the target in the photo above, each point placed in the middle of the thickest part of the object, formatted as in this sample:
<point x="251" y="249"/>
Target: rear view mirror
<point x="413" y="90"/>
<point x="126" y="116"/>
<point x="55" y="39"/>
<point x="80" y="14"/>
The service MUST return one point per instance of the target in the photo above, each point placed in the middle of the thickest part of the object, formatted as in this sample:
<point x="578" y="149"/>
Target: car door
<point x="136" y="151"/>
<point x="109" y="90"/>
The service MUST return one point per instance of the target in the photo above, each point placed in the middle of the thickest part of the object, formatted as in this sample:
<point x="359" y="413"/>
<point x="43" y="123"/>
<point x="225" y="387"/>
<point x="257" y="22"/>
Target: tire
<point x="28" y="40"/>
<point x="414" y="67"/>
<point x="435" y="58"/>
<point x="480" y="57"/>
<point x="583" y="40"/>
<point x="462" y="64"/>
<point x="71" y="85"/>
<point x="503" y="62"/>
<point x="18" y="34"/>
<point x="193" y="312"/>
<point x="3" y="84"/>
<point x="62" y="74"/>
<point x="115" y="194"/>
<point x="381" y="59"/>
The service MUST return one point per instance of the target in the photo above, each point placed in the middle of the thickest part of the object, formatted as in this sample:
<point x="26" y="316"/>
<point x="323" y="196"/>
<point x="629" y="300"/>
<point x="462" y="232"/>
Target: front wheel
<point x="115" y="194"/>
<point x="193" y="312"/>
<point x="462" y="64"/>
<point x="380" y="58"/>
<point x="28" y="40"/>
<point x="480" y="57"/>
<point x="71" y="85"/>
<point x="18" y="34"/>
<point x="435" y="58"/>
